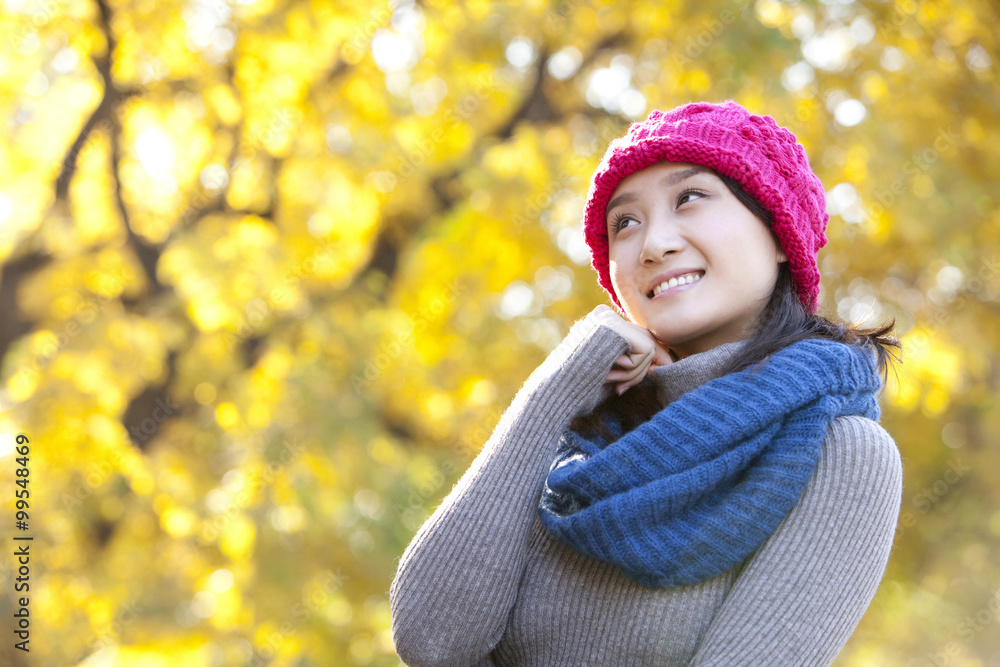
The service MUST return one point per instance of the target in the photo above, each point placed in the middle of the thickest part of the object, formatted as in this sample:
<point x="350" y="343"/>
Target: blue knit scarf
<point x="699" y="487"/>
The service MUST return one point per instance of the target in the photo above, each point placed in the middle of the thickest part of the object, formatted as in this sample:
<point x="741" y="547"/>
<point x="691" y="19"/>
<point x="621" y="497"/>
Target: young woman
<point x="702" y="483"/>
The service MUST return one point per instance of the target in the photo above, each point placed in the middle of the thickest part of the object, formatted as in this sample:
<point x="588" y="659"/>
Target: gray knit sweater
<point x="482" y="583"/>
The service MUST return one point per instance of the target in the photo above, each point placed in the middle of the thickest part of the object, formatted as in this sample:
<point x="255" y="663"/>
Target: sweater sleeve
<point x="457" y="580"/>
<point x="801" y="595"/>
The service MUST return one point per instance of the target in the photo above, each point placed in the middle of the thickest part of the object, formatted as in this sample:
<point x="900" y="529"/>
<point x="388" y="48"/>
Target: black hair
<point x="783" y="321"/>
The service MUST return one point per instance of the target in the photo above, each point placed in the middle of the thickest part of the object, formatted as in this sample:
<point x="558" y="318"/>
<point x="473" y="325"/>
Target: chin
<point x="672" y="335"/>
<point x="688" y="341"/>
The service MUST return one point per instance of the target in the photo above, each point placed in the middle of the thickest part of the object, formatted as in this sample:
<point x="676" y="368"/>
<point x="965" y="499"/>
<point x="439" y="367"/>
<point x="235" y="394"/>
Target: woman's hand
<point x="645" y="350"/>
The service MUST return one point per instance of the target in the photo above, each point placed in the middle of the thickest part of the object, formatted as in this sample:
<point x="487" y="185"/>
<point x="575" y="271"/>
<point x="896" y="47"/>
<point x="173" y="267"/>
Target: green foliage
<point x="271" y="271"/>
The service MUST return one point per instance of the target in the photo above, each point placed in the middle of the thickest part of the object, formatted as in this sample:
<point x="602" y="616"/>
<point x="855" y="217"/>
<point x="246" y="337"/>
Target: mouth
<point x="674" y="283"/>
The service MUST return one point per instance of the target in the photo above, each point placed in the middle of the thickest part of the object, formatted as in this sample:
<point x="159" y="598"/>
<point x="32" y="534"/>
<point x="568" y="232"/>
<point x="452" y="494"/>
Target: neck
<point x="680" y="377"/>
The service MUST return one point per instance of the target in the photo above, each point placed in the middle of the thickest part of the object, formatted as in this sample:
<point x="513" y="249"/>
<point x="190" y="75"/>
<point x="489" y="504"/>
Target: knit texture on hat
<point x="764" y="158"/>
<point x="698" y="488"/>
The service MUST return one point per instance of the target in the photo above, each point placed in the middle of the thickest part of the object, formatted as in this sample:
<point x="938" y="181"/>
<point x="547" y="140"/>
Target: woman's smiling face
<point x="688" y="260"/>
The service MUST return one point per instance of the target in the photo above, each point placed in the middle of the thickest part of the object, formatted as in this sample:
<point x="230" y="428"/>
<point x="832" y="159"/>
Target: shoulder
<point x="799" y="597"/>
<point x="861" y="457"/>
<point x="851" y="503"/>
<point x="860" y="436"/>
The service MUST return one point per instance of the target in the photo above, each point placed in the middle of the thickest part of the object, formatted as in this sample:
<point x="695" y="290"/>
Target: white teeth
<point x="686" y="279"/>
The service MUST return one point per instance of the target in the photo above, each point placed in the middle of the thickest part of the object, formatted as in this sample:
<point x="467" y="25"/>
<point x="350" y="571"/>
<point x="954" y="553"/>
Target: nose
<point x="662" y="238"/>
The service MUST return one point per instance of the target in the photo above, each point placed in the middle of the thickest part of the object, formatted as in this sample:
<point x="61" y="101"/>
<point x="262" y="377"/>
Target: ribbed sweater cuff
<point x="572" y="377"/>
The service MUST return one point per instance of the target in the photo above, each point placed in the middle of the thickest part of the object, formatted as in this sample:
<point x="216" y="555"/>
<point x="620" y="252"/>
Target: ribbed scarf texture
<point x="699" y="487"/>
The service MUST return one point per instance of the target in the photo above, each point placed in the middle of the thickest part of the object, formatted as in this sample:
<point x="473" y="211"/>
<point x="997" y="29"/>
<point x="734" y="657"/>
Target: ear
<point x="782" y="257"/>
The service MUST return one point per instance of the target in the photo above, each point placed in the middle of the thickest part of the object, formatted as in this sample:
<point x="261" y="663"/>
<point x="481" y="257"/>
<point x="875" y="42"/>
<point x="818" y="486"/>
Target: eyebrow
<point x="671" y="179"/>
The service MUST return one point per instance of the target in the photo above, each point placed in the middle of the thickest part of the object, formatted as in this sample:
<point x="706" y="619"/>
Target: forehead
<point x="669" y="172"/>
<point x="663" y="173"/>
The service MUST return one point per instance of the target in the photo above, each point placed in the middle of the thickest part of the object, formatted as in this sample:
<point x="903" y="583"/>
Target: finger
<point x="643" y="370"/>
<point x="624" y="375"/>
<point x="661" y="354"/>
<point x="622" y="387"/>
<point x="625" y="380"/>
<point x="632" y="363"/>
<point x="624" y="361"/>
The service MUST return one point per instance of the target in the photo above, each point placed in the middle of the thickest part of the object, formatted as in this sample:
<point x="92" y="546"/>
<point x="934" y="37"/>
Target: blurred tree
<point x="271" y="271"/>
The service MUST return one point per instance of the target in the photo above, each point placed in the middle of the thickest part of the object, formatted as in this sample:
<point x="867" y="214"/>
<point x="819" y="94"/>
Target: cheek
<point x="617" y="265"/>
<point x="764" y="269"/>
<point x="756" y="255"/>
<point x="622" y="283"/>
<point x="616" y="277"/>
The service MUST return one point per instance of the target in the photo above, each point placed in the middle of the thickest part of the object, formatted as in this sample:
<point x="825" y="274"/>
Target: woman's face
<point x="688" y="261"/>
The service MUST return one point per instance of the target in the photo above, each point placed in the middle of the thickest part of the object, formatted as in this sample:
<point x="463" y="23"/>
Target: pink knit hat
<point x="752" y="150"/>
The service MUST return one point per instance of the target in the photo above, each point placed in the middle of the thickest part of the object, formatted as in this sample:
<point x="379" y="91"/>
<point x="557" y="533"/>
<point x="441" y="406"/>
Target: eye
<point x="620" y="220"/>
<point x="687" y="196"/>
